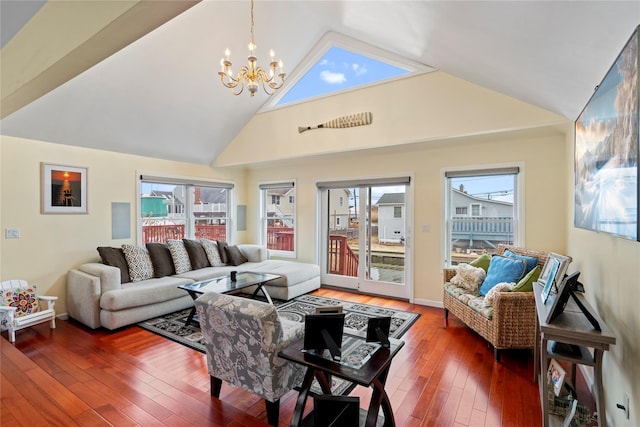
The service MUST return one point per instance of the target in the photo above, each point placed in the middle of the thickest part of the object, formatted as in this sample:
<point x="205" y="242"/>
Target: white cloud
<point x="333" y="78"/>
<point x="324" y="62"/>
<point x="358" y="69"/>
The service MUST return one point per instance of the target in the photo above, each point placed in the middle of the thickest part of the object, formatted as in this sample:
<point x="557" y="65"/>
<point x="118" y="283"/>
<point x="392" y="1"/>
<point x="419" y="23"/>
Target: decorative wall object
<point x="64" y="189"/>
<point x="606" y="151"/>
<point x="120" y="220"/>
<point x="360" y="119"/>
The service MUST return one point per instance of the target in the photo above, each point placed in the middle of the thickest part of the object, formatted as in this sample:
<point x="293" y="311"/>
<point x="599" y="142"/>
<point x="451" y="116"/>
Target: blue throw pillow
<point x="531" y="261"/>
<point x="502" y="269"/>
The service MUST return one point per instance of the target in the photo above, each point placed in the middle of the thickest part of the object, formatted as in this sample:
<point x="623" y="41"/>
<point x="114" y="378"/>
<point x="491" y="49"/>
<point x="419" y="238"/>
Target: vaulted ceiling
<point x="140" y="77"/>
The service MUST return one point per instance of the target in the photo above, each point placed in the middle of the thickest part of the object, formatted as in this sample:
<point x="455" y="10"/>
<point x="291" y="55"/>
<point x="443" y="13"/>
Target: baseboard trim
<point x="428" y="303"/>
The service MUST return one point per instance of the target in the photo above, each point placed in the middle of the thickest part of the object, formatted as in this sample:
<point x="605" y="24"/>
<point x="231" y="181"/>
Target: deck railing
<point x="161" y="233"/>
<point x="342" y="260"/>
<point x="280" y="238"/>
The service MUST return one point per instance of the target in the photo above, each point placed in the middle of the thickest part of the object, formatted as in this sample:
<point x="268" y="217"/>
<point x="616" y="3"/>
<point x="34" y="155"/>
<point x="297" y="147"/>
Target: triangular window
<point x="338" y="63"/>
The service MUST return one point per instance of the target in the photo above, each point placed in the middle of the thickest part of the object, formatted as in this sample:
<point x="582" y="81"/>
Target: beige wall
<point x="542" y="153"/>
<point x="52" y="244"/>
<point x="427" y="107"/>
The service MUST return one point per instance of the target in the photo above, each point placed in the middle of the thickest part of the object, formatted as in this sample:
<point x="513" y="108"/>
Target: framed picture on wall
<point x="64" y="189"/>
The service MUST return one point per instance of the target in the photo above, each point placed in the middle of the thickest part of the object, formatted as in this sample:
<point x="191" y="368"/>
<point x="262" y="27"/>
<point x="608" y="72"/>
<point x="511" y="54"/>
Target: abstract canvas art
<point x="606" y="151"/>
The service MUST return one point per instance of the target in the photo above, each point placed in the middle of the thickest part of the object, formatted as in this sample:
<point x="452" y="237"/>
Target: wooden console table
<point x="573" y="328"/>
<point x="372" y="374"/>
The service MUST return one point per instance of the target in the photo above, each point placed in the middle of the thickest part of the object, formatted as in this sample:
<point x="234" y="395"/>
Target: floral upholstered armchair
<point x="243" y="338"/>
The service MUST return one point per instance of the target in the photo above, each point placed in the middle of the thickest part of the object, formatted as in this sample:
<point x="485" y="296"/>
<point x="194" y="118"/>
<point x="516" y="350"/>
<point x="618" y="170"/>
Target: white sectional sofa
<point x="97" y="297"/>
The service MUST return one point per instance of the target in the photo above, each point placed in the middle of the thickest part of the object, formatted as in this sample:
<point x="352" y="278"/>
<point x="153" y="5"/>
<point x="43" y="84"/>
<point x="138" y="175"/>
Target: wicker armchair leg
<point x="446" y="318"/>
<point x="496" y="354"/>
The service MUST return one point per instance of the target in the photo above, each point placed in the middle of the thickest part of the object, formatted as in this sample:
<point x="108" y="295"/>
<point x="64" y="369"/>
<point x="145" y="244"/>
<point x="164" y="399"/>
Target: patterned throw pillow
<point x="139" y="261"/>
<point x="211" y="248"/>
<point x="180" y="256"/>
<point x="24" y="300"/>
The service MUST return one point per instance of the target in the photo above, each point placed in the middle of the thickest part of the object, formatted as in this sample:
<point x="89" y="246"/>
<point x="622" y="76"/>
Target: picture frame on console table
<point x="552" y="273"/>
<point x="64" y="189"/>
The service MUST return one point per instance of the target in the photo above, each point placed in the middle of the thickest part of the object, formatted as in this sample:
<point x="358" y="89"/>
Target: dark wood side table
<point x="573" y="328"/>
<point x="373" y="373"/>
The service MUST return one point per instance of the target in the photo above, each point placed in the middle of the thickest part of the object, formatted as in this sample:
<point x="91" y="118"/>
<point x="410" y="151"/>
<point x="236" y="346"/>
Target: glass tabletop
<point x="224" y="284"/>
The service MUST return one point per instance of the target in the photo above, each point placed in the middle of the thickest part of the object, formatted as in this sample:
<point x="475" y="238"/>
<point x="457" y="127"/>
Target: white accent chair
<point x="12" y="320"/>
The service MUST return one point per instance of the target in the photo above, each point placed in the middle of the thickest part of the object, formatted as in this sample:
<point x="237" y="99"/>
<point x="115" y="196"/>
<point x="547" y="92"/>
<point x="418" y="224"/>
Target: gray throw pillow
<point x="197" y="255"/>
<point x="161" y="259"/>
<point x="115" y="258"/>
<point x="235" y="256"/>
<point x="222" y="245"/>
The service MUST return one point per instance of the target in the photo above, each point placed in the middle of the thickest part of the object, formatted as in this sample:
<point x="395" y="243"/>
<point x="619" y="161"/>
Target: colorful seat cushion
<point x="477" y="304"/>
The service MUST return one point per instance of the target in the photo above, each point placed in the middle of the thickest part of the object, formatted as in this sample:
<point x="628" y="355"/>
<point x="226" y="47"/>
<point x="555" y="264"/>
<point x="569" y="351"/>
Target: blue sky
<point x="339" y="69"/>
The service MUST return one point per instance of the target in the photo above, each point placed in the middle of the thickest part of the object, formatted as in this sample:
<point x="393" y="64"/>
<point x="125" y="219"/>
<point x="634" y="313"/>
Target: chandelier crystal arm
<point x="251" y="75"/>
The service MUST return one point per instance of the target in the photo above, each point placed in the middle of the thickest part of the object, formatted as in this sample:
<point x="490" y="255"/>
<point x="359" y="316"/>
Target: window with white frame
<point x="482" y="212"/>
<point x="278" y="204"/>
<point x="175" y="208"/>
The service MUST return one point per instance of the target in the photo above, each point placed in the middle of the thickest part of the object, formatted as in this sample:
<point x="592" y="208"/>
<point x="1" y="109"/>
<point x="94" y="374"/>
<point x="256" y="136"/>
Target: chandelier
<point x="251" y="75"/>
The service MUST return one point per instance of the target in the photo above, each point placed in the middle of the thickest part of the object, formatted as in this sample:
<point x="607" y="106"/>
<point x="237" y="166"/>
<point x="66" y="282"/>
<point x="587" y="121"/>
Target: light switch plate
<point x="12" y="233"/>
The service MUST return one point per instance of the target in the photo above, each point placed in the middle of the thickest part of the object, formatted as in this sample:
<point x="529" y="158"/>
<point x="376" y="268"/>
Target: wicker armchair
<point x="514" y="313"/>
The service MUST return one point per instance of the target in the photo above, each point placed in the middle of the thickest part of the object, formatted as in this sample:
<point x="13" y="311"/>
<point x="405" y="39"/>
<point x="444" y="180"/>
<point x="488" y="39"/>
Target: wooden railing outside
<point x="342" y="260"/>
<point x="161" y="233"/>
<point x="280" y="238"/>
<point x="211" y="232"/>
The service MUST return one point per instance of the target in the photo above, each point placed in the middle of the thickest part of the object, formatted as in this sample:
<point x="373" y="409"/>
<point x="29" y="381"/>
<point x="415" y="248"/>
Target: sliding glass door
<point x="365" y="229"/>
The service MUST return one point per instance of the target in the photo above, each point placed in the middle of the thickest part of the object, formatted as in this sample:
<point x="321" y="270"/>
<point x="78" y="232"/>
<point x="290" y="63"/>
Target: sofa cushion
<point x="476" y="303"/>
<point x="143" y="293"/>
<point x="140" y="266"/>
<point x="292" y="272"/>
<point x="161" y="259"/>
<point x="482" y="261"/>
<point x="531" y="261"/>
<point x="211" y="249"/>
<point x="197" y="254"/>
<point x="115" y="258"/>
<point x="234" y="256"/>
<point x="502" y="269"/>
<point x="468" y="277"/>
<point x="180" y="256"/>
<point x="458" y="293"/>
<point x="526" y="283"/>
<point x="222" y="246"/>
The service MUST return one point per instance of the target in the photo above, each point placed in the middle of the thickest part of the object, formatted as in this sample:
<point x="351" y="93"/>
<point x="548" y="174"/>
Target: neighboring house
<point x="479" y="222"/>
<point x="391" y="218"/>
<point x="280" y="207"/>
<point x="339" y="205"/>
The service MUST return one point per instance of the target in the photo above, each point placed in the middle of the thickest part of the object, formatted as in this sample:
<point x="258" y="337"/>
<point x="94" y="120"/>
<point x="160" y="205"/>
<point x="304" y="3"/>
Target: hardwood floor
<point x="76" y="376"/>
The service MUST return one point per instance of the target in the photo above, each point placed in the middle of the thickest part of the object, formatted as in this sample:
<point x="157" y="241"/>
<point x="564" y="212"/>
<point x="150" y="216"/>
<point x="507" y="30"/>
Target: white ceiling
<point x="161" y="97"/>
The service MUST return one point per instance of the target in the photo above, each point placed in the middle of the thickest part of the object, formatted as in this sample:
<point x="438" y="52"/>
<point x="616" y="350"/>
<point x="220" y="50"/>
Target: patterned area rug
<point x="357" y="317"/>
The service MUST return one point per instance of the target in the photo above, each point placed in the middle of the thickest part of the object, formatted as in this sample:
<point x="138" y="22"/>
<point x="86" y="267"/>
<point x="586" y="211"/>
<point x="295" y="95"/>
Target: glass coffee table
<point x="224" y="285"/>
